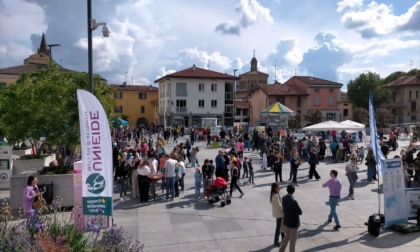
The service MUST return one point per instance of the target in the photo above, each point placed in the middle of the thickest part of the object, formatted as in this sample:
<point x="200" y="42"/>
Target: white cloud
<point x="251" y="11"/>
<point x="216" y="59"/>
<point x="378" y="19"/>
<point x="346" y="5"/>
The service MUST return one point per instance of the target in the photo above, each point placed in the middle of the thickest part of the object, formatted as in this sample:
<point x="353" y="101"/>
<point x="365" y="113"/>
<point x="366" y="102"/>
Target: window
<point x="118" y="95"/>
<point x="317" y="101"/>
<point x="214" y="87"/>
<point x="413" y="106"/>
<point x="181" y="89"/>
<point x="228" y="109"/>
<point x="142" y="96"/>
<point x="244" y="112"/>
<point x="331" y="101"/>
<point x="345" y="104"/>
<point x="181" y="105"/>
<point x="2" y="85"/>
<point x="238" y="111"/>
<point x="201" y="87"/>
<point x="228" y="96"/>
<point x="345" y="112"/>
<point x="299" y="102"/>
<point x="409" y="94"/>
<point x="331" y="90"/>
<point x="330" y="116"/>
<point x="142" y="109"/>
<point x="118" y="109"/>
<point x="316" y="90"/>
<point x="413" y="118"/>
<point x="281" y="99"/>
<point x="214" y="103"/>
<point x="201" y="103"/>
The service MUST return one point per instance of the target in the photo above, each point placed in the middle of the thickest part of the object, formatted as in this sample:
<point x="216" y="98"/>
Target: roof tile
<point x="141" y="88"/>
<point x="198" y="73"/>
<point x="404" y="81"/>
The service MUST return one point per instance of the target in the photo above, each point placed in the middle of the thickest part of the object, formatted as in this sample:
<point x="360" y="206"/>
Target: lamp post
<point x="234" y="94"/>
<point x="50" y="46"/>
<point x="92" y="25"/>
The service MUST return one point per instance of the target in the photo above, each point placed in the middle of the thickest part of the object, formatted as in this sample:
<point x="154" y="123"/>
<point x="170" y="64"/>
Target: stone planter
<point x="63" y="187"/>
<point x="29" y="166"/>
<point x="22" y="152"/>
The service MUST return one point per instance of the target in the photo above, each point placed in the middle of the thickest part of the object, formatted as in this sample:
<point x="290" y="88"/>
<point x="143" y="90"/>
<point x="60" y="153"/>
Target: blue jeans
<point x="197" y="189"/>
<point x="246" y="144"/>
<point x="193" y="159"/>
<point x="370" y="172"/>
<point x="170" y="187"/>
<point x="333" y="213"/>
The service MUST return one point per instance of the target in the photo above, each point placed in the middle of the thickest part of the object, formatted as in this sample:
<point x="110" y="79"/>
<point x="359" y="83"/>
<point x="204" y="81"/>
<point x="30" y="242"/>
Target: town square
<point x="240" y="125"/>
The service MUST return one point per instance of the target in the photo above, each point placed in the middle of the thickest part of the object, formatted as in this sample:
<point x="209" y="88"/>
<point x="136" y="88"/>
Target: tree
<point x="361" y="115"/>
<point x="44" y="102"/>
<point x="313" y="117"/>
<point x="358" y="90"/>
<point x="383" y="117"/>
<point x="295" y="121"/>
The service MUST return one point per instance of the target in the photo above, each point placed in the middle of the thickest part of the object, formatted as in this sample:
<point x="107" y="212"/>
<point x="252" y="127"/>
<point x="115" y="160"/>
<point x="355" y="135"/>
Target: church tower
<point x="42" y="57"/>
<point x="254" y="63"/>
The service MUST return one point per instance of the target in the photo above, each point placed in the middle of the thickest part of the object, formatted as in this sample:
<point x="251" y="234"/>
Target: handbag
<point x="37" y="204"/>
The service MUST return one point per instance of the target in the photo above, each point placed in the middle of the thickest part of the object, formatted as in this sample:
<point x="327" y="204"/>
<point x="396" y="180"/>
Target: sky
<point x="333" y="40"/>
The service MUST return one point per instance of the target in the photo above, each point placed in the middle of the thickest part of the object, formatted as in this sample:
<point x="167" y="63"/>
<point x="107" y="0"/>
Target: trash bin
<point x="48" y="190"/>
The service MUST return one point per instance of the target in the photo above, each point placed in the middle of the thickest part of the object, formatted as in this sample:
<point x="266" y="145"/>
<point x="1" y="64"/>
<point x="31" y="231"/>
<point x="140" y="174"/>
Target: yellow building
<point x="138" y="103"/>
<point x="41" y="59"/>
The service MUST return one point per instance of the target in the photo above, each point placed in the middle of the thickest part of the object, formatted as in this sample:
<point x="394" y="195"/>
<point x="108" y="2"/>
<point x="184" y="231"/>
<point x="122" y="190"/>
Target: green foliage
<point x="125" y="117"/>
<point x="313" y="117"/>
<point x="361" y="115"/>
<point x="295" y="121"/>
<point x="44" y="102"/>
<point x="383" y="117"/>
<point x="393" y="76"/>
<point x="358" y="90"/>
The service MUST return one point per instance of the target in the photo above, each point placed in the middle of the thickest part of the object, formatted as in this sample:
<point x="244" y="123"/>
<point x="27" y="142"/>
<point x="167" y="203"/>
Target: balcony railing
<point x="181" y="109"/>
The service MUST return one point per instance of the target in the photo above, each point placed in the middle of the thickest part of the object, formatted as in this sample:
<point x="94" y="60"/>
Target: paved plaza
<point x="247" y="224"/>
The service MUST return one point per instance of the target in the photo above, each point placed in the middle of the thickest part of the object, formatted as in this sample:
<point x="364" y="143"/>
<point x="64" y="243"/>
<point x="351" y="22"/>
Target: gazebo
<point x="277" y="115"/>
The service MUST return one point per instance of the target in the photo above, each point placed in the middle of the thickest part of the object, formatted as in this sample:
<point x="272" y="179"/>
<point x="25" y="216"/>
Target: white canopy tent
<point x="350" y="122"/>
<point x="332" y="125"/>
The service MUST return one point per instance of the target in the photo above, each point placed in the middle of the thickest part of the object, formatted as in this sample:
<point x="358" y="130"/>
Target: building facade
<point x="324" y="95"/>
<point x="248" y="82"/>
<point x="405" y="98"/>
<point x="136" y="102"/>
<point x="265" y="95"/>
<point x="346" y="108"/>
<point x="187" y="96"/>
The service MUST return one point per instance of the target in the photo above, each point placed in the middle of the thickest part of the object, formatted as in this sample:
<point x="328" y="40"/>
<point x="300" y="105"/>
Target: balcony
<point x="181" y="109"/>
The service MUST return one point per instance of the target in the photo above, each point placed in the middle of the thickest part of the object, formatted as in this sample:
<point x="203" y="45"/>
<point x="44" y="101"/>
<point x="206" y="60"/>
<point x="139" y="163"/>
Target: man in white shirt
<point x="170" y="166"/>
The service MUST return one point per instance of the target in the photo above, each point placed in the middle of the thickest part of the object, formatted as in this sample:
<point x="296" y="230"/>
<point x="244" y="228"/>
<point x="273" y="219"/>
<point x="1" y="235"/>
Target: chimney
<point x="193" y="68"/>
<point x="124" y="84"/>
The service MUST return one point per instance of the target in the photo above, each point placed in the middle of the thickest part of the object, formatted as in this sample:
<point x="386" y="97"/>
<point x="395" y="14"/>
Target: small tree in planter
<point x="44" y="102"/>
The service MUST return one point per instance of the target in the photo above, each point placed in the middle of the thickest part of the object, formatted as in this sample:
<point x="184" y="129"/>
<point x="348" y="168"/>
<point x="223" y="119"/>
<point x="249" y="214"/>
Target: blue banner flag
<point x="380" y="158"/>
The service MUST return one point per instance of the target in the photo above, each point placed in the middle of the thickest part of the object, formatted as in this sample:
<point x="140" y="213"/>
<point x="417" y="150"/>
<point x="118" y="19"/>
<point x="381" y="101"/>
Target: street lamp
<point x="50" y="46"/>
<point x="92" y="25"/>
<point x="234" y="94"/>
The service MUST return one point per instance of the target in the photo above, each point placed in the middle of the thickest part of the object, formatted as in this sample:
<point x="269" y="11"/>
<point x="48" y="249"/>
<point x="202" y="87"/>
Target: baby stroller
<point x="219" y="192"/>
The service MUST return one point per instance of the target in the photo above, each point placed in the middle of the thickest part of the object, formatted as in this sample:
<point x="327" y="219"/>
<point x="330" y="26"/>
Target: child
<point x="245" y="166"/>
<point x="197" y="179"/>
<point x="361" y="154"/>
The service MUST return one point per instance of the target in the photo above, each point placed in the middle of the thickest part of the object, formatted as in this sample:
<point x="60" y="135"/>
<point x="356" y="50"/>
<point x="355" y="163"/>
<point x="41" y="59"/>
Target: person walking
<point x="294" y="164"/>
<point x="291" y="220"/>
<point x="234" y="179"/>
<point x="134" y="180"/>
<point x="313" y="161"/>
<point x="277" y="210"/>
<point x="31" y="195"/>
<point x="122" y="176"/>
<point x="251" y="172"/>
<point x="334" y="185"/>
<point x="245" y="166"/>
<point x="220" y="164"/>
<point x="351" y="173"/>
<point x="278" y="167"/>
<point x="371" y="165"/>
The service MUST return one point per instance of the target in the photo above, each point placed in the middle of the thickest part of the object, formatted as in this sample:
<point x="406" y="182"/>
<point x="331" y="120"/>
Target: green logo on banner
<point x="95" y="183"/>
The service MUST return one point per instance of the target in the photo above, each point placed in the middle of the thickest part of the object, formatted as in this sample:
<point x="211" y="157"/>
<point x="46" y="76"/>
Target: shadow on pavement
<point x="268" y="248"/>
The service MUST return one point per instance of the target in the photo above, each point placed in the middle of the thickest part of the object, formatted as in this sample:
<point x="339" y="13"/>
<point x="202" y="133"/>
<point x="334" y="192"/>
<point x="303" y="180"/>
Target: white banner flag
<point x="97" y="167"/>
